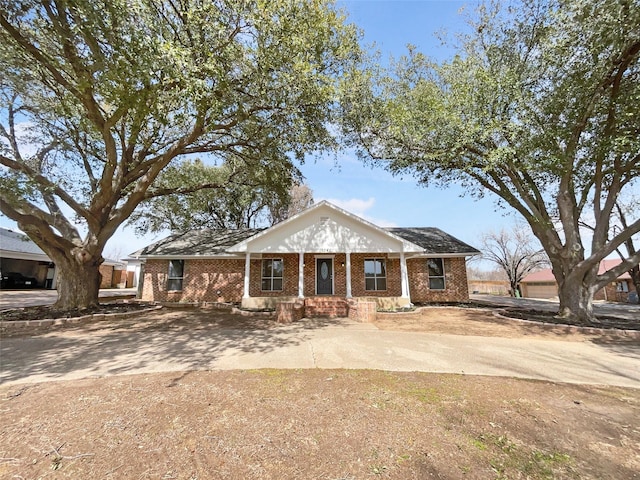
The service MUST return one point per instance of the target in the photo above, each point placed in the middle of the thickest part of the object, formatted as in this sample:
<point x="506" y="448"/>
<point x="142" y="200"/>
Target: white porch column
<point x="404" y="276"/>
<point x="247" y="270"/>
<point x="348" y="262"/>
<point x="301" y="275"/>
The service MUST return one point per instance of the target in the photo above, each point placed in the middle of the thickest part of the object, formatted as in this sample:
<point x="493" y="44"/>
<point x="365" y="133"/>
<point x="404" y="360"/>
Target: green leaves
<point x="540" y="107"/>
<point x="116" y="91"/>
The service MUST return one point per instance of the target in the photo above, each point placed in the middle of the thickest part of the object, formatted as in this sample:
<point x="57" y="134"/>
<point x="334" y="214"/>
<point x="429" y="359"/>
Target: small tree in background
<point x="300" y="198"/>
<point x="515" y="252"/>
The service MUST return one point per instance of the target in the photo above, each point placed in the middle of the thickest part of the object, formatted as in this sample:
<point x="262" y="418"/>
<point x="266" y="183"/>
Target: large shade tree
<point x="541" y="108"/>
<point x="99" y="97"/>
<point x="244" y="199"/>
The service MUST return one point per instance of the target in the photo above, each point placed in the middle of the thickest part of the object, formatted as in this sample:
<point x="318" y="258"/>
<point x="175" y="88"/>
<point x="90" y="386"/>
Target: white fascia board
<point x="38" y="257"/>
<point x="403" y="245"/>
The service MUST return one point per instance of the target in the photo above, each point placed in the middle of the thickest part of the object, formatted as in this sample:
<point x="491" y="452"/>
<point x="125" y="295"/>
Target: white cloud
<point x="359" y="207"/>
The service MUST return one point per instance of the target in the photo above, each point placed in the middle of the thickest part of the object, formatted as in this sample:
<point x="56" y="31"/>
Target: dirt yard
<point x="275" y="424"/>
<point x="324" y="424"/>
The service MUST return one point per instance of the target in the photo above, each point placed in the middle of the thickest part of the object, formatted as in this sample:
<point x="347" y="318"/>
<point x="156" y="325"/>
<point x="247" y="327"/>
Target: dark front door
<point x="324" y="276"/>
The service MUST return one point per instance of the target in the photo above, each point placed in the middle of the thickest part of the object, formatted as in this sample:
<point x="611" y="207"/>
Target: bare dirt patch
<point x="277" y="424"/>
<point x="485" y="323"/>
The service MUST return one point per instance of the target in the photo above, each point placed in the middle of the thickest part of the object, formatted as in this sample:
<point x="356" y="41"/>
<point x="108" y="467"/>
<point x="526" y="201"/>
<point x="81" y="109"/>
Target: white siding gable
<point x="325" y="228"/>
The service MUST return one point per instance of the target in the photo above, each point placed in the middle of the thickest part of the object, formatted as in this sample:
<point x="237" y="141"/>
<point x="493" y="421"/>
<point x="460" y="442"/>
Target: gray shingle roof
<point x="17" y="242"/>
<point x="196" y="242"/>
<point x="212" y="242"/>
<point x="433" y="240"/>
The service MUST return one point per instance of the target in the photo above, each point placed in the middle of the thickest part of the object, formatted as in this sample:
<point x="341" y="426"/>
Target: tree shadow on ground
<point x="159" y="341"/>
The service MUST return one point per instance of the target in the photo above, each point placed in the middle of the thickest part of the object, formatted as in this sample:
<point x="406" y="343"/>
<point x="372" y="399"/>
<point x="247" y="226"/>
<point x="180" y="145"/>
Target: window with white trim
<point x="622" y="286"/>
<point x="375" y="274"/>
<point x="435" y="267"/>
<point x="272" y="270"/>
<point x="176" y="275"/>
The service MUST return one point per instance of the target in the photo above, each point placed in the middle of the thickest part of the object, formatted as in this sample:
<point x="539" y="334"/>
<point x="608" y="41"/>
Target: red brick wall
<point x="289" y="280"/>
<point x="456" y="289"/>
<point x="202" y="281"/>
<point x="107" y="274"/>
<point x="394" y="283"/>
<point x="612" y="295"/>
<point x="339" y="274"/>
<point x="204" y="278"/>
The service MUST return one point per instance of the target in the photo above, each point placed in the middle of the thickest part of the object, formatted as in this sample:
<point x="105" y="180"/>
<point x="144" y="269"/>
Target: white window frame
<point x="271" y="278"/>
<point x="622" y="286"/>
<point x="376" y="278"/>
<point x="436" y="277"/>
<point x="174" y="278"/>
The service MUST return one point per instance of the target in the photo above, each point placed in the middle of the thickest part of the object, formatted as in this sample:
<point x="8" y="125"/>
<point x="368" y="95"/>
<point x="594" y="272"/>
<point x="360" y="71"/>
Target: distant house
<point x="19" y="254"/>
<point x="321" y="254"/>
<point x="542" y="284"/>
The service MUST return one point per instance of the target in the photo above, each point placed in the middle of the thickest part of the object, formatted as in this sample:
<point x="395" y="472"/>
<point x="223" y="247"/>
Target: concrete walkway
<point x="80" y="353"/>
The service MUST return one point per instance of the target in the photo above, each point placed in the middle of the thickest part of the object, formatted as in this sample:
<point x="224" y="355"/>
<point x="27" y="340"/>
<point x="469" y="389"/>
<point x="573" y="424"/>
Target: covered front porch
<point x="273" y="278"/>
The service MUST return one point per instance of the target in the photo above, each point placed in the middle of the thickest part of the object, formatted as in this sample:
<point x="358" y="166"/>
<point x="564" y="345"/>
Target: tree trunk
<point x="78" y="282"/>
<point x="635" y="278"/>
<point x="576" y="302"/>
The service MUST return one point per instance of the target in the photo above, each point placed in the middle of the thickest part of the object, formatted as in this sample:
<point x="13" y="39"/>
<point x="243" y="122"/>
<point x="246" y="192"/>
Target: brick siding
<point x="107" y="274"/>
<point x="289" y="280"/>
<point x="203" y="279"/>
<point x="339" y="274"/>
<point x="456" y="289"/>
<point x="394" y="281"/>
<point x="610" y="293"/>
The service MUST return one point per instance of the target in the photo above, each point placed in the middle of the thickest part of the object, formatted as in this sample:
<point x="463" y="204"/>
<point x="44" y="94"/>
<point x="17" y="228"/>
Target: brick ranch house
<point x="542" y="284"/>
<point x="324" y="258"/>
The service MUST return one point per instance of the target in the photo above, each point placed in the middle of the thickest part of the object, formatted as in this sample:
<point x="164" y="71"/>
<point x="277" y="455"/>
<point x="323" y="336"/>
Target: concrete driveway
<point x="89" y="352"/>
<point x="627" y="311"/>
<point x="32" y="298"/>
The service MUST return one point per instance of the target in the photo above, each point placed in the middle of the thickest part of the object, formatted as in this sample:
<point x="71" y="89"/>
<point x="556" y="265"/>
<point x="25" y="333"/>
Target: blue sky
<point x="373" y="193"/>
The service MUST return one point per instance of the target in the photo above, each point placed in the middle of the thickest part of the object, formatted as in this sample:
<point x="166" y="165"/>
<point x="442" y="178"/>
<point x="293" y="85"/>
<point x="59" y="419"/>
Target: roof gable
<point x="322" y="228"/>
<point x="325" y="228"/>
<point x="546" y="275"/>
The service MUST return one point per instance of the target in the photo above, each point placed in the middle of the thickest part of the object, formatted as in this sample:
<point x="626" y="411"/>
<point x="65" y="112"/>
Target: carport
<point x="19" y="254"/>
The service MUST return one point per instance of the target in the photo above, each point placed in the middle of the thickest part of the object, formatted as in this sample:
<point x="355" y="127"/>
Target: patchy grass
<point x="326" y="424"/>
